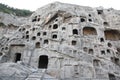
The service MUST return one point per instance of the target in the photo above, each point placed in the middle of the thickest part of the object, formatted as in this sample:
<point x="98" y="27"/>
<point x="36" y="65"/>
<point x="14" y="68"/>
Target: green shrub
<point x="18" y="12"/>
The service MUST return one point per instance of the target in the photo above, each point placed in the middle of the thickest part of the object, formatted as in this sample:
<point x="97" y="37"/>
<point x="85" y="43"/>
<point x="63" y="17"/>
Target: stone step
<point x="36" y="75"/>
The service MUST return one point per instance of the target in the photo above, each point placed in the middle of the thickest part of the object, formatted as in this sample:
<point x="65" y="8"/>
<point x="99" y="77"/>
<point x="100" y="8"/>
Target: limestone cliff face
<point x="9" y="23"/>
<point x="67" y="42"/>
<point x="8" y="19"/>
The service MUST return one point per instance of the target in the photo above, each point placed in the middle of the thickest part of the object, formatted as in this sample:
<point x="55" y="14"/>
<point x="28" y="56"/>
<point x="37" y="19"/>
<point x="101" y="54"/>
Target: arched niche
<point x="112" y="35"/>
<point x="89" y="31"/>
<point x="75" y="31"/>
<point x="43" y="62"/>
<point x="37" y="45"/>
<point x="17" y="57"/>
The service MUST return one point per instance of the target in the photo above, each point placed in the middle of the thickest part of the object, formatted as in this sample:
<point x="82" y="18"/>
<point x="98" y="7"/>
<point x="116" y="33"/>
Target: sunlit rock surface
<point x="64" y="42"/>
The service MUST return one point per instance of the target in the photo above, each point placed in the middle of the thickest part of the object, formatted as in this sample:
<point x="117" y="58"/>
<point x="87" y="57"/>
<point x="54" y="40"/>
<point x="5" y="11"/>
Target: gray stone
<point x="64" y="42"/>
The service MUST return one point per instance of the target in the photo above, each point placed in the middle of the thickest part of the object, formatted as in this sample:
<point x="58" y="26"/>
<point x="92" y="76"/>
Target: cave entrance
<point x="17" y="57"/>
<point x="111" y="77"/>
<point x="89" y="31"/>
<point x="112" y="35"/>
<point x="37" y="45"/>
<point x="75" y="31"/>
<point x="43" y="61"/>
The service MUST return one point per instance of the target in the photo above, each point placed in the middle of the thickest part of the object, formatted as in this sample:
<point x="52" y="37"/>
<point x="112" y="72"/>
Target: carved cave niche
<point x="43" y="62"/>
<point x="89" y="31"/>
<point x="113" y="35"/>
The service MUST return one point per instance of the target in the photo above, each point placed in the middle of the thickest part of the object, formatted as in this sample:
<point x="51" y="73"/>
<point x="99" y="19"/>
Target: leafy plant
<point x="18" y="12"/>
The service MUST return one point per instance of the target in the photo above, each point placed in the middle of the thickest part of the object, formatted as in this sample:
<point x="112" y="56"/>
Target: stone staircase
<point x="40" y="75"/>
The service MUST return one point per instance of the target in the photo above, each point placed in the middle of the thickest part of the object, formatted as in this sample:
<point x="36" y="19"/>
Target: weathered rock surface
<point x="14" y="71"/>
<point x="9" y="23"/>
<point x="65" y="42"/>
<point x="8" y="19"/>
